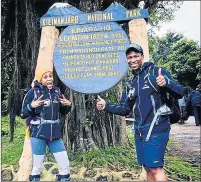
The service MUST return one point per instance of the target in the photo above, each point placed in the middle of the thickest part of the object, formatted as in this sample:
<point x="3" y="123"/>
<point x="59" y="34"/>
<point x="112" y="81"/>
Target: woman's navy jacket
<point x="47" y="116"/>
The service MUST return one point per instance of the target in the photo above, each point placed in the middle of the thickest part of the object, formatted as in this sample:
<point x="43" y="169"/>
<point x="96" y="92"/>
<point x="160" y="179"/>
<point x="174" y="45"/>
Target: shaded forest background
<point x="85" y="128"/>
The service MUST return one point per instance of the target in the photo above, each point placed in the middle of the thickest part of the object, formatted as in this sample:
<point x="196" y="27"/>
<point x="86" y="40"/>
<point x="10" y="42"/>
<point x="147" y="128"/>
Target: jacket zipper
<point x="52" y="115"/>
<point x="154" y="107"/>
<point x="39" y="130"/>
<point x="153" y="103"/>
<point x="139" y="104"/>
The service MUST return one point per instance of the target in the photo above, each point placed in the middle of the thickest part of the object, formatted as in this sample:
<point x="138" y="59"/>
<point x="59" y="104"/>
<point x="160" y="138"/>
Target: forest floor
<point x="182" y="158"/>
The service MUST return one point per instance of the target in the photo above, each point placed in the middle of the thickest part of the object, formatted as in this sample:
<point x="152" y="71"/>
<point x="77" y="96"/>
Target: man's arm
<point x="122" y="109"/>
<point x="174" y="88"/>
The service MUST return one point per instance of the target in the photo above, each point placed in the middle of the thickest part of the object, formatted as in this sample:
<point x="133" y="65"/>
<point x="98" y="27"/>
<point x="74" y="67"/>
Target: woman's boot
<point x="63" y="177"/>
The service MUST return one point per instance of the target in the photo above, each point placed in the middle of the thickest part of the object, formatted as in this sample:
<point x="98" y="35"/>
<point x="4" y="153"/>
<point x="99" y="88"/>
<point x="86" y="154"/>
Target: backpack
<point x="22" y="99"/>
<point x="26" y="90"/>
<point x="171" y="102"/>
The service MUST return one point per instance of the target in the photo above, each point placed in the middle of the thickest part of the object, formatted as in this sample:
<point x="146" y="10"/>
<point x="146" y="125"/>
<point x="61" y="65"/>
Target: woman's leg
<point x="38" y="147"/>
<point x="58" y="149"/>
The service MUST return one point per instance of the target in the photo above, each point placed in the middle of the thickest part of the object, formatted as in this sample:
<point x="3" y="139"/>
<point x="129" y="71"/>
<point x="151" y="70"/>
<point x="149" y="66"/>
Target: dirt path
<point x="186" y="141"/>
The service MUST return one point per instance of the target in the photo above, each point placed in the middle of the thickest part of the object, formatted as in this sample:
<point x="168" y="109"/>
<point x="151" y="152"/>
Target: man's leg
<point x="140" y="154"/>
<point x="182" y="114"/>
<point x="199" y="113"/>
<point x="196" y="115"/>
<point x="154" y="150"/>
<point x="158" y="174"/>
<point x="149" y="174"/>
<point x="150" y="177"/>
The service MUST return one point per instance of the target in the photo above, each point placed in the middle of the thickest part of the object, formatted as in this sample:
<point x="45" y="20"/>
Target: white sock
<point x="37" y="164"/>
<point x="63" y="162"/>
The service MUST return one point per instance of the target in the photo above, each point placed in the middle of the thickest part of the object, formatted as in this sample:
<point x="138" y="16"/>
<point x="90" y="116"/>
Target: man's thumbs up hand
<point x="159" y="72"/>
<point x="160" y="80"/>
<point x="100" y="105"/>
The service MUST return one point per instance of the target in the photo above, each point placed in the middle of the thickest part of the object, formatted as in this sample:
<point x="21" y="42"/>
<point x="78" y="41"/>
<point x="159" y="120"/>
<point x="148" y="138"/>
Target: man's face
<point x="47" y="79"/>
<point x="135" y="60"/>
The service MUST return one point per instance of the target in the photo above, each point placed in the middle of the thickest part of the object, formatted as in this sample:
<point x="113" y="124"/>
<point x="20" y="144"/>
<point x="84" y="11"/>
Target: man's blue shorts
<point x="151" y="153"/>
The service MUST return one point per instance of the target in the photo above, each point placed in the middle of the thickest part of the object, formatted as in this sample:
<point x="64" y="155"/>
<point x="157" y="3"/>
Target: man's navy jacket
<point x="147" y="99"/>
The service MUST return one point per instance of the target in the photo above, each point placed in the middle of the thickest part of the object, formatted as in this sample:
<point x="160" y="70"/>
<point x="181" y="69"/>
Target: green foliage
<point x="11" y="151"/>
<point x="185" y="57"/>
<point x="160" y="48"/>
<point x="198" y="67"/>
<point x="123" y="157"/>
<point x="181" y="170"/>
<point x="161" y="11"/>
<point x="180" y="56"/>
<point x="130" y="134"/>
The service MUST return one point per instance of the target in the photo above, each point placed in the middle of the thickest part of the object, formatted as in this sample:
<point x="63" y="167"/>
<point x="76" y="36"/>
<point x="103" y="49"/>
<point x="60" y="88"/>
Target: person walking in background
<point x="151" y="124"/>
<point x="182" y="105"/>
<point x="195" y="98"/>
<point x="43" y="104"/>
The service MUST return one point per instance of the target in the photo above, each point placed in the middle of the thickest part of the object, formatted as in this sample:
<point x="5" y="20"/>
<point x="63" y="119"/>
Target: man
<point x="145" y="91"/>
<point x="195" y="97"/>
<point x="182" y="105"/>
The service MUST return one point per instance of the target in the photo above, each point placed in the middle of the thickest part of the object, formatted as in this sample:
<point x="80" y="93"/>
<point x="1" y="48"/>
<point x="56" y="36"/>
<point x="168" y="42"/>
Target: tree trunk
<point x="124" y="138"/>
<point x="15" y="84"/>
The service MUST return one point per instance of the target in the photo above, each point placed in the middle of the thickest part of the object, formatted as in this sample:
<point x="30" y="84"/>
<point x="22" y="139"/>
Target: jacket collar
<point x="142" y="68"/>
<point x="42" y="87"/>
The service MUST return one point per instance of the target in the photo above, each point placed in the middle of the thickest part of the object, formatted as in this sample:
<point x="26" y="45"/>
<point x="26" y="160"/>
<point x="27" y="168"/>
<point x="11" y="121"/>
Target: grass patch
<point x="130" y="134"/>
<point x="178" y="169"/>
<point x="11" y="151"/>
<point x="114" y="157"/>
